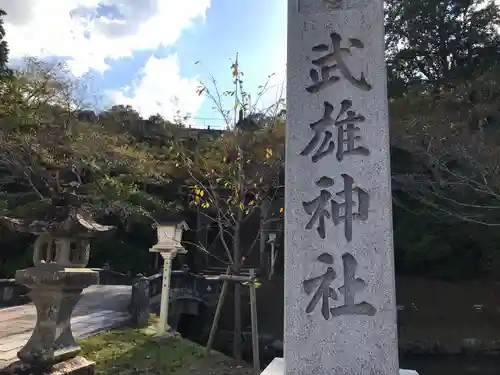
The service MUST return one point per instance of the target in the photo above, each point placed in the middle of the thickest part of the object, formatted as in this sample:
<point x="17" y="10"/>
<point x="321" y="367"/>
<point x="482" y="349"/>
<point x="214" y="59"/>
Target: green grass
<point x="130" y="351"/>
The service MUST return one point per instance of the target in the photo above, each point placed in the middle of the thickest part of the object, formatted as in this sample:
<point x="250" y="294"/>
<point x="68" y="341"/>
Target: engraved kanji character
<point x="334" y="61"/>
<point x="323" y="292"/>
<point x="352" y="285"/>
<point x="349" y="215"/>
<point x="346" y="133"/>
<point x="317" y="207"/>
<point x="330" y="4"/>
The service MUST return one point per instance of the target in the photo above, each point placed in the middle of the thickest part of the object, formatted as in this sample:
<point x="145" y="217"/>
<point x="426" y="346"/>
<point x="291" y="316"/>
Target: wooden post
<point x="218" y="311"/>
<point x="255" y="331"/>
<point x="265" y="206"/>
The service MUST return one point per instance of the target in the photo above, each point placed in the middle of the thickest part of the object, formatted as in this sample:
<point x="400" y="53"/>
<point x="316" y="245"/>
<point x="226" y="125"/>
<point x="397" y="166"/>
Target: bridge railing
<point x="12" y="294"/>
<point x="110" y="277"/>
<point x="192" y="283"/>
<point x="155" y="284"/>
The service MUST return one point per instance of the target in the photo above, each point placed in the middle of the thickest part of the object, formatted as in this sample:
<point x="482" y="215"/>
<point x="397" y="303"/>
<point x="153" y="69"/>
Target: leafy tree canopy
<point x="4" y="49"/>
<point x="41" y="137"/>
<point x="433" y="41"/>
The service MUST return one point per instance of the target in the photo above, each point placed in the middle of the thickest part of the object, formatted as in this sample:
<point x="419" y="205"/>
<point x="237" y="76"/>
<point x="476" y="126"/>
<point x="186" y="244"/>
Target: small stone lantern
<point x="169" y="245"/>
<point x="61" y="251"/>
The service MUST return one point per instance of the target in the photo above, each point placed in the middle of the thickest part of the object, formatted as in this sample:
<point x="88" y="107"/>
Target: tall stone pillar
<point x="340" y="309"/>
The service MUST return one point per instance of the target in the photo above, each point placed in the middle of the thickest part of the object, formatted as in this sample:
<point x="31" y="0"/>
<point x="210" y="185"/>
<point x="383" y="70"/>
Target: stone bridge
<point x="102" y="307"/>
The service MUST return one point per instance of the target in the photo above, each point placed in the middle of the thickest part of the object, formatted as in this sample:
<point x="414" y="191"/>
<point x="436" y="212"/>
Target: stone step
<point x="277" y="367"/>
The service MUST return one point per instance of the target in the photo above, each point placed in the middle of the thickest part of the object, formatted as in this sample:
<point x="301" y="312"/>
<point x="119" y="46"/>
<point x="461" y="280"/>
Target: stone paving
<point x="102" y="307"/>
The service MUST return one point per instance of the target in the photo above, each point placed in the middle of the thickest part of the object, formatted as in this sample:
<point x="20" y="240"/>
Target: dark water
<point x="430" y="365"/>
<point x="452" y="365"/>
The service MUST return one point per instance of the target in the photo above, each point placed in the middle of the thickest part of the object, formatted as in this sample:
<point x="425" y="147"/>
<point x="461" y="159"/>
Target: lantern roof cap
<point x="173" y="223"/>
<point x="171" y="220"/>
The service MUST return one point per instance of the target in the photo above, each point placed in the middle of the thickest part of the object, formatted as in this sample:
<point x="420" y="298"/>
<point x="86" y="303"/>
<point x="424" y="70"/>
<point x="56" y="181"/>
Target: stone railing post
<point x="140" y="301"/>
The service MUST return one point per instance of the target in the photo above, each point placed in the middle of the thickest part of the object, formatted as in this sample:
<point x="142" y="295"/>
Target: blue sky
<point x="144" y="53"/>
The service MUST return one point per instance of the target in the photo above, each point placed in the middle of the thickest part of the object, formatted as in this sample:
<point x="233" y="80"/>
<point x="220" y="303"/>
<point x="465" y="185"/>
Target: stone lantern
<point x="169" y="245"/>
<point x="61" y="251"/>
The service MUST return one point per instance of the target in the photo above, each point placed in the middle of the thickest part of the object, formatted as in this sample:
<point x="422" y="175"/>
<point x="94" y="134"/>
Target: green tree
<point x="4" y="49"/>
<point x="433" y="41"/>
<point x="453" y="136"/>
<point x="46" y="142"/>
<point x="41" y="139"/>
<point x="232" y="175"/>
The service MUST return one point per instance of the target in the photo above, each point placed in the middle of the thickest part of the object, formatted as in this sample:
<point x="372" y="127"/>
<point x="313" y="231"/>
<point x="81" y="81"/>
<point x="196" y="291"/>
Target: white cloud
<point x="75" y="29"/>
<point x="89" y="32"/>
<point x="160" y="89"/>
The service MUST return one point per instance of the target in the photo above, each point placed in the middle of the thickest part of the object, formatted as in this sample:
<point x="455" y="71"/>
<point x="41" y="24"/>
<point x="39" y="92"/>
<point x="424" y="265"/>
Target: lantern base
<point x="55" y="294"/>
<point x="74" y="366"/>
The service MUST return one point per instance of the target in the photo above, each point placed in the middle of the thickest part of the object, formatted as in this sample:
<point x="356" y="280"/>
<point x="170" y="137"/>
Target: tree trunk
<point x="237" y="255"/>
<point x="264" y="264"/>
<point x="237" y="292"/>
